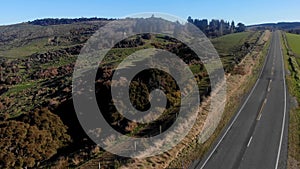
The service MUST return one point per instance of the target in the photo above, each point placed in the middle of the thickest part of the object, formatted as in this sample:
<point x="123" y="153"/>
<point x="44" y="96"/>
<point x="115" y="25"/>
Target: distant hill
<point x="57" y="21"/>
<point x="42" y="35"/>
<point x="287" y="26"/>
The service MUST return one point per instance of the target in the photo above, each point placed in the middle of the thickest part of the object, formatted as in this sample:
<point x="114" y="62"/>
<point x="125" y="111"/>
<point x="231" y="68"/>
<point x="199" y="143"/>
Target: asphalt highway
<point x="256" y="136"/>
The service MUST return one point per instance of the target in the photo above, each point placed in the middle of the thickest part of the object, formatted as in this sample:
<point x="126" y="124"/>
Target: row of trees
<point x="295" y="31"/>
<point x="216" y="28"/>
<point x="57" y="21"/>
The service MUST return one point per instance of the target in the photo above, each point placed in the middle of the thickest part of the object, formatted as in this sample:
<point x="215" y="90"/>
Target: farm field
<point x="294" y="42"/>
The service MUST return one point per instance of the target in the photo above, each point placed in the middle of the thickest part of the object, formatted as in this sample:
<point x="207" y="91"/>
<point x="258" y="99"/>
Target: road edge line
<point x="284" y="111"/>
<point x="236" y="116"/>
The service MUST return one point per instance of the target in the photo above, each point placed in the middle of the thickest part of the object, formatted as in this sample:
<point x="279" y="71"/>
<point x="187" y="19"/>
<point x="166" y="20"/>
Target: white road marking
<point x="259" y="117"/>
<point x="269" y="86"/>
<point x="284" y="111"/>
<point x="236" y="116"/>
<point x="261" y="109"/>
<point x="249" y="142"/>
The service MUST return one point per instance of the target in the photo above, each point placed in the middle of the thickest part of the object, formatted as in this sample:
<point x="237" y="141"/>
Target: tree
<point x="33" y="138"/>
<point x="190" y="20"/>
<point x="241" y="27"/>
<point x="215" y="27"/>
<point x="45" y="120"/>
<point x="201" y="24"/>
<point x="232" y="27"/>
<point x="222" y="27"/>
<point x="23" y="145"/>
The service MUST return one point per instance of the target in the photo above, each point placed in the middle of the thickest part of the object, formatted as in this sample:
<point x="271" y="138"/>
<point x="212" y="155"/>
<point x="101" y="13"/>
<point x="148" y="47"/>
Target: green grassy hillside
<point x="233" y="47"/>
<point x="36" y="66"/>
<point x="225" y="44"/>
<point x="294" y="43"/>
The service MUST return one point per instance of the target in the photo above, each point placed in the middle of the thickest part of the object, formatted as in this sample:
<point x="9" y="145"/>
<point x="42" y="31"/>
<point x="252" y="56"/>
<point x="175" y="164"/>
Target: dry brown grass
<point x="62" y="163"/>
<point x="294" y="122"/>
<point x="76" y="160"/>
<point x="293" y="147"/>
<point x="189" y="148"/>
<point x="293" y="163"/>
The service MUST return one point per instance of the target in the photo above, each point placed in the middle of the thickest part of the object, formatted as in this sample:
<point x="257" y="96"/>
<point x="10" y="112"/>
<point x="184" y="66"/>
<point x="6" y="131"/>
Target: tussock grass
<point x="196" y="151"/>
<point x="289" y="42"/>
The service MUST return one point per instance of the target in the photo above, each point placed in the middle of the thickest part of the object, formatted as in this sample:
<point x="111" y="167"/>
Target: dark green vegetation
<point x="294" y="31"/>
<point x="57" y="21"/>
<point x="292" y="61"/>
<point x="216" y="28"/>
<point x="36" y="65"/>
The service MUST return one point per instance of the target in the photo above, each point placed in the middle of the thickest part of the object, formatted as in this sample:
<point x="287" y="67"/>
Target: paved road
<point x="254" y="138"/>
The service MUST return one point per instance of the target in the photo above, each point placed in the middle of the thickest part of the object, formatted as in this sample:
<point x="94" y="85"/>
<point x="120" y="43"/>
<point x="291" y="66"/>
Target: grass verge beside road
<point x="237" y="87"/>
<point x="291" y="59"/>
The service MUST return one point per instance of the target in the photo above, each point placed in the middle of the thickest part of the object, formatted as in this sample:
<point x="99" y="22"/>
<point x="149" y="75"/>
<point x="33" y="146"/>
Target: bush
<point x="28" y="142"/>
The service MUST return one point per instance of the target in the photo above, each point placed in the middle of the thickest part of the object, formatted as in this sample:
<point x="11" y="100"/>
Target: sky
<point x="245" y="11"/>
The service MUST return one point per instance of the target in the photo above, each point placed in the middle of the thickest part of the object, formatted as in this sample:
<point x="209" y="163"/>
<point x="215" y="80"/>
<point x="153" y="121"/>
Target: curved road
<point x="256" y="137"/>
